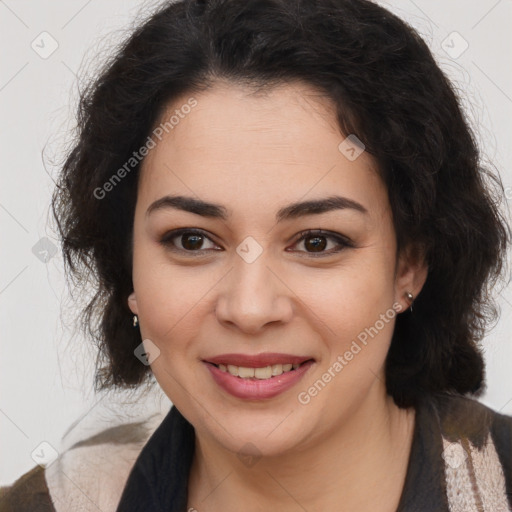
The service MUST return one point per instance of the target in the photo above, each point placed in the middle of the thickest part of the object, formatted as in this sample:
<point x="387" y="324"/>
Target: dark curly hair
<point x="386" y="88"/>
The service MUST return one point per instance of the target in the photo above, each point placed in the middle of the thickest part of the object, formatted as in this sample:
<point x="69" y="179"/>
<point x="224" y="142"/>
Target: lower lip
<point x="257" y="389"/>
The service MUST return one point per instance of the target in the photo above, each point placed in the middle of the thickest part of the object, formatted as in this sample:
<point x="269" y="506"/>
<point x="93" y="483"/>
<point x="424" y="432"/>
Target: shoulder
<point x="89" y="475"/>
<point x="477" y="447"/>
<point x="461" y="416"/>
<point x="27" y="494"/>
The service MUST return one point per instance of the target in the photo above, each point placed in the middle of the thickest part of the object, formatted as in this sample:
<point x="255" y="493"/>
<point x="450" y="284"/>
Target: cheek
<point x="166" y="305"/>
<point x="358" y="321"/>
<point x="157" y="295"/>
<point x="354" y="305"/>
<point x="170" y="297"/>
<point x="359" y="291"/>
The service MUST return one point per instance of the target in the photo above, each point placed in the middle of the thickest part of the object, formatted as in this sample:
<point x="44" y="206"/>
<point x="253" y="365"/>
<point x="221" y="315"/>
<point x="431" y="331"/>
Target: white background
<point x="46" y="372"/>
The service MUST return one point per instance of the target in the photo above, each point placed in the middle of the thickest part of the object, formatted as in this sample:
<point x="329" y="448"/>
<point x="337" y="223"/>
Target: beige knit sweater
<point x="91" y="472"/>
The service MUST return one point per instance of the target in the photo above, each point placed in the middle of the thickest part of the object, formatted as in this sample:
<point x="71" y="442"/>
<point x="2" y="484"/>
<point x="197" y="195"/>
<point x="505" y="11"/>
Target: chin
<point x="267" y="433"/>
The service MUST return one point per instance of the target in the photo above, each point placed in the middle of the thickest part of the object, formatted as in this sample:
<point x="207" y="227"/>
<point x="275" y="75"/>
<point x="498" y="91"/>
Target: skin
<point x="348" y="448"/>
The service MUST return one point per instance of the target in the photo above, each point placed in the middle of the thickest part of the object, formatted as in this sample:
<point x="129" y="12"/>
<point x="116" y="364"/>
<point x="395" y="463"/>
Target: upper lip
<point x="258" y="360"/>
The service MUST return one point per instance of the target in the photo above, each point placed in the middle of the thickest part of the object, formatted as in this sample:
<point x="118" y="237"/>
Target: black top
<point x="159" y="478"/>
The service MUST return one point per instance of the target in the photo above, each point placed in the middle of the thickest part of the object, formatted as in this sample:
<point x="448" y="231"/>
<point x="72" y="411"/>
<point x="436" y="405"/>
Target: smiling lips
<point x="265" y="372"/>
<point x="262" y="366"/>
<point x="257" y="377"/>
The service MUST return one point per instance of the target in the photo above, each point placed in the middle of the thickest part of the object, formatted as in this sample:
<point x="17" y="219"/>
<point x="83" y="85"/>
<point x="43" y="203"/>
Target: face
<point x="272" y="308"/>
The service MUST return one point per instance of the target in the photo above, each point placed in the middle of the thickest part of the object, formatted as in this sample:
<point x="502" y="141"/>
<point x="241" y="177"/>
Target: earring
<point x="410" y="298"/>
<point x="135" y="320"/>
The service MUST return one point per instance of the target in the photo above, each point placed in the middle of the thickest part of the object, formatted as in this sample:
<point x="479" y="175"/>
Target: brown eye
<point x="187" y="240"/>
<point x="191" y="241"/>
<point x="315" y="242"/>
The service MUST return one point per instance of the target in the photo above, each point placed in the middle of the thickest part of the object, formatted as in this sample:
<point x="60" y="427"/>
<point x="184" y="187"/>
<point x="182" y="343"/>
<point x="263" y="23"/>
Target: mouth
<point x="257" y="377"/>
<point x="260" y="373"/>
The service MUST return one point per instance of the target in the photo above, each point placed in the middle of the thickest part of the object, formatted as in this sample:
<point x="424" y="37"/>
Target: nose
<point x="253" y="296"/>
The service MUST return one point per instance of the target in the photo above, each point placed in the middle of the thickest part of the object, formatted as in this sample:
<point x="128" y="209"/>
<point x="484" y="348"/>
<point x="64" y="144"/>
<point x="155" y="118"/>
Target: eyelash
<point x="167" y="241"/>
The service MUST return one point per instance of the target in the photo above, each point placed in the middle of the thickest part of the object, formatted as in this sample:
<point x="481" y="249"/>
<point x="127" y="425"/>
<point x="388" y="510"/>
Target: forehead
<point x="257" y="148"/>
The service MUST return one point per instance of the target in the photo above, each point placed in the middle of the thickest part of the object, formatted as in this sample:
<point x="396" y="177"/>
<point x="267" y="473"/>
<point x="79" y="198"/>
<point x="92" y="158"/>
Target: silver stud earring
<point x="410" y="298"/>
<point x="135" y="320"/>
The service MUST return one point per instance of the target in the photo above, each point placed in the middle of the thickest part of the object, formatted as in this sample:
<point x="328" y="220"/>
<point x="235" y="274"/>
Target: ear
<point x="411" y="274"/>
<point x="132" y="303"/>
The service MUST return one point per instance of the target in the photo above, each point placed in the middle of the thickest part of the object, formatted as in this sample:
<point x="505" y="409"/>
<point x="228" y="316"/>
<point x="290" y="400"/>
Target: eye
<point x="316" y="241"/>
<point x="187" y="240"/>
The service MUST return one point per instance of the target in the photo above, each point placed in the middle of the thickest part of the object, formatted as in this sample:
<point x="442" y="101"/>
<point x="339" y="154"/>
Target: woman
<point x="285" y="210"/>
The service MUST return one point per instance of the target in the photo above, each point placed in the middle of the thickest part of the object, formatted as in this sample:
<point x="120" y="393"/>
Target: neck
<point x="359" y="465"/>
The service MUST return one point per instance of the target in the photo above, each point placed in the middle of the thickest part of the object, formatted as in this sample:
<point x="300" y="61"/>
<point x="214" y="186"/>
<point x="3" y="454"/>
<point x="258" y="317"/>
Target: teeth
<point x="277" y="369"/>
<point x="259" y="373"/>
<point x="233" y="370"/>
<point x="245" y="373"/>
<point x="263" y="373"/>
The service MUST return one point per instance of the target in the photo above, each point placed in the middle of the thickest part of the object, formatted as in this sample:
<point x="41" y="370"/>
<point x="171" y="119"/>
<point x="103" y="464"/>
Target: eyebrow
<point x="292" y="211"/>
